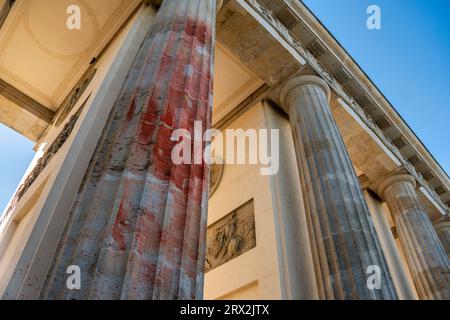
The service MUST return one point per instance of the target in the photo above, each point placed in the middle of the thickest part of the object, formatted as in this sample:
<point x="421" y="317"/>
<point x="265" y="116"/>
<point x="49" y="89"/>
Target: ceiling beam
<point x="25" y="102"/>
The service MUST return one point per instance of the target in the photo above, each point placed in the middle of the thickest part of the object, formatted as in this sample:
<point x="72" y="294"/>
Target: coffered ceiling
<point x="41" y="58"/>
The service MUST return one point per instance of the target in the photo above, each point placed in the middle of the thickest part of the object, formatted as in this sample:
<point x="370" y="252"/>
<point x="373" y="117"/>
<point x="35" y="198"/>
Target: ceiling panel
<point x="41" y="57"/>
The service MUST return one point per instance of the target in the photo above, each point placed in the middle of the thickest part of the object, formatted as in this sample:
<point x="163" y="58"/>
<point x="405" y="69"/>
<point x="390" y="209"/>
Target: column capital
<point x="389" y="181"/>
<point x="298" y="81"/>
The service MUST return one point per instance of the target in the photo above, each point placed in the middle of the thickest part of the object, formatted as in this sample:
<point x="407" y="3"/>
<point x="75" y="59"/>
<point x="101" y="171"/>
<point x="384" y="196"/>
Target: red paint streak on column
<point x="156" y="238"/>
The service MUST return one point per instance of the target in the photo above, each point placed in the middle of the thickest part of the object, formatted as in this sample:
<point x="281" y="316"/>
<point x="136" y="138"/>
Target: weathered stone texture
<point x="425" y="255"/>
<point x="138" y="226"/>
<point x="343" y="239"/>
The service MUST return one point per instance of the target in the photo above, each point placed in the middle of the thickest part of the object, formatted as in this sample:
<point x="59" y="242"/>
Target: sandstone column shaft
<point x="443" y="231"/>
<point x="138" y="226"/>
<point x="424" y="253"/>
<point x="343" y="239"/>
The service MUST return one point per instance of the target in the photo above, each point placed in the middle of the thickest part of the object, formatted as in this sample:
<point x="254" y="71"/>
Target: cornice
<point x="389" y="181"/>
<point x="302" y="80"/>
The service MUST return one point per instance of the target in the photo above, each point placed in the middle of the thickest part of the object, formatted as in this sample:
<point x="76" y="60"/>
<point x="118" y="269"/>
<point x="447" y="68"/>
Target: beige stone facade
<point x="355" y="193"/>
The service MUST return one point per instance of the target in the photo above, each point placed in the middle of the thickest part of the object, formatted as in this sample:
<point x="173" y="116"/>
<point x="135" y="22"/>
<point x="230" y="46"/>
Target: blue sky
<point x="16" y="153"/>
<point x="408" y="59"/>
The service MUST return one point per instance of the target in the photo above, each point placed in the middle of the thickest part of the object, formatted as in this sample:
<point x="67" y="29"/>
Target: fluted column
<point x="424" y="253"/>
<point x="343" y="239"/>
<point x="138" y="226"/>
<point x="443" y="231"/>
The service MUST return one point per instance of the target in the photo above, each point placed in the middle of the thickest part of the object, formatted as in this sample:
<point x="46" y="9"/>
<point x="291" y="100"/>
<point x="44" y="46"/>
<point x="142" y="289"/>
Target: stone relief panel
<point x="74" y="96"/>
<point x="231" y="236"/>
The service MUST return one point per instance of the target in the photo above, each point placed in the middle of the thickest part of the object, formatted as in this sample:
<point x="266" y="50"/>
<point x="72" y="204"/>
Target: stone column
<point x="443" y="231"/>
<point x="424" y="253"/>
<point x="138" y="226"/>
<point x="343" y="239"/>
<point x="403" y="283"/>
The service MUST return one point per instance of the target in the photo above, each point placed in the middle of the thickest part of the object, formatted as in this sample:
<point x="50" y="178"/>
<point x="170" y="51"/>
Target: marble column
<point x="424" y="253"/>
<point x="343" y="239"/>
<point x="443" y="231"/>
<point x="138" y="226"/>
